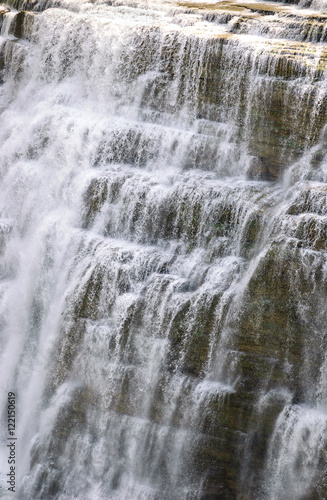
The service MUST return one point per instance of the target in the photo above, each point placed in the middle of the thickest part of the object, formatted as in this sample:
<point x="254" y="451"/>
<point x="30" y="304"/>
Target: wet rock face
<point x="269" y="351"/>
<point x="270" y="124"/>
<point x="23" y="25"/>
<point x="163" y="226"/>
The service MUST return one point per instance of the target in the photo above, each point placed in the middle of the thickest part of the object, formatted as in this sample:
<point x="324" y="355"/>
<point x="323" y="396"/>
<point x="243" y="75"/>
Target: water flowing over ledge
<point x="163" y="240"/>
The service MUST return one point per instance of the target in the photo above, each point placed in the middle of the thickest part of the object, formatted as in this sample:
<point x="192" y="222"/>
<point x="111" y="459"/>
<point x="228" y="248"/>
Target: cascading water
<point x="163" y="240"/>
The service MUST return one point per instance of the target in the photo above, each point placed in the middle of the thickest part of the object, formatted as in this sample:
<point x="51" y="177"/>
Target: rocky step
<point x="261" y="18"/>
<point x="222" y="217"/>
<point x="17" y="24"/>
<point x="127" y="288"/>
<point x="312" y="198"/>
<point x="274" y="128"/>
<point x="20" y="5"/>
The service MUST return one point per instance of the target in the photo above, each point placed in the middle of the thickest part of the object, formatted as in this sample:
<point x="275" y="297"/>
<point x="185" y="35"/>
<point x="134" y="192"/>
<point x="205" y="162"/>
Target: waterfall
<point x="163" y="237"/>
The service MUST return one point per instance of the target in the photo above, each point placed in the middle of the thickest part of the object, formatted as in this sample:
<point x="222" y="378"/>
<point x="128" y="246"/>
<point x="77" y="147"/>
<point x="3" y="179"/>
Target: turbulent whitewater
<point x="163" y="239"/>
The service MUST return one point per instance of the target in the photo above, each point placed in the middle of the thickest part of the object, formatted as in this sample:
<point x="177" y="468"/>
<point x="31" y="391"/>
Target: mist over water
<point x="163" y="251"/>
